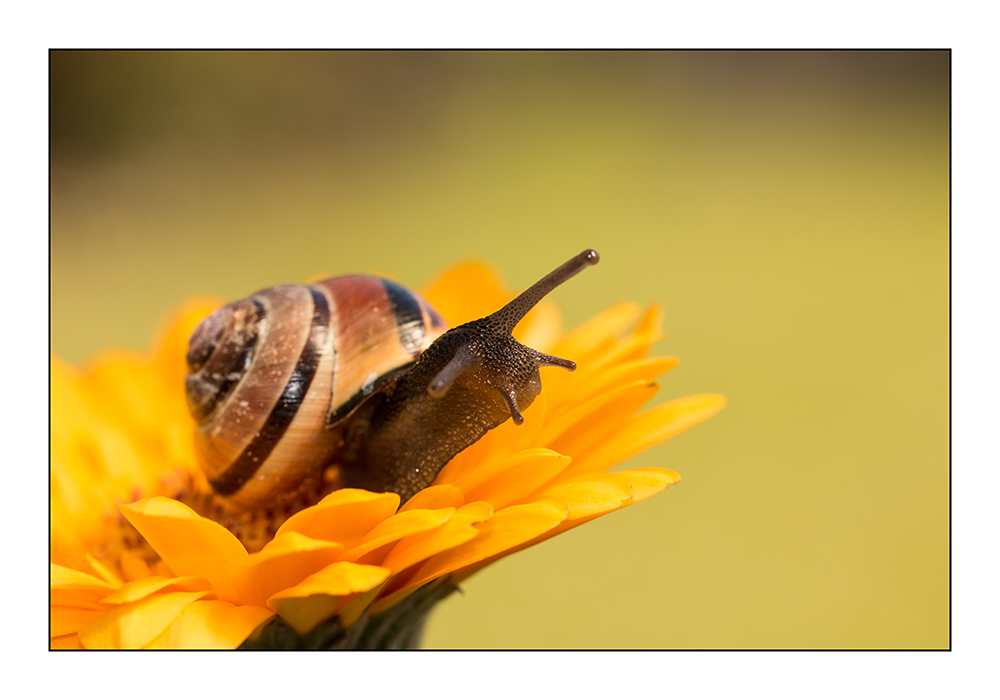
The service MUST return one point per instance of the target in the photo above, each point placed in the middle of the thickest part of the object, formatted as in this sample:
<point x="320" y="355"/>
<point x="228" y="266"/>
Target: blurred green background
<point x="789" y="209"/>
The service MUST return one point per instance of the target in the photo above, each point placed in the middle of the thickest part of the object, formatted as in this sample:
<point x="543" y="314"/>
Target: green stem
<point x="399" y="627"/>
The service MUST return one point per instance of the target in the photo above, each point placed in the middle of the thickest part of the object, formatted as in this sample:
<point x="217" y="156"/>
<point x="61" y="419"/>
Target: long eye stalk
<point x="506" y="318"/>
<point x="502" y="323"/>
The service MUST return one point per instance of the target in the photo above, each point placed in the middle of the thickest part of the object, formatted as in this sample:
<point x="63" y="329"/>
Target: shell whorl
<point x="271" y="376"/>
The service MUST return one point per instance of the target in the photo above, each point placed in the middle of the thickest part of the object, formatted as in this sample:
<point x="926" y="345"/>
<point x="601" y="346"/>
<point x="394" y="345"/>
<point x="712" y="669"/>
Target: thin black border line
<point x="951" y="617"/>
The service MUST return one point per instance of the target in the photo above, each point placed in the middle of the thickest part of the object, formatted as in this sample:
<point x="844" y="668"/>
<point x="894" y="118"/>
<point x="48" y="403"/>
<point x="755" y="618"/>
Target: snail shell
<point x="270" y="375"/>
<point x="356" y="371"/>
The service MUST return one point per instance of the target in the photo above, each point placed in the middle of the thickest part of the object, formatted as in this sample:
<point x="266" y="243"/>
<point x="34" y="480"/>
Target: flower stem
<point x="399" y="627"/>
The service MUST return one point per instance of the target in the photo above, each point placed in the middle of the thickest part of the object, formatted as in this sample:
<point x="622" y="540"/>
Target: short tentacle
<point x="553" y="361"/>
<point x="510" y="395"/>
<point x="465" y="359"/>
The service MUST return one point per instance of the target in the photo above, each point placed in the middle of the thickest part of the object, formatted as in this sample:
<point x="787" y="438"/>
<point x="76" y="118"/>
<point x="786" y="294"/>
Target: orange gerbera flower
<point x="135" y="567"/>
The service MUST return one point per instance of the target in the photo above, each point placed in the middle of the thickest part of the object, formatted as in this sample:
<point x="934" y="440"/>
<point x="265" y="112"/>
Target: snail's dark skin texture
<point x="469" y="381"/>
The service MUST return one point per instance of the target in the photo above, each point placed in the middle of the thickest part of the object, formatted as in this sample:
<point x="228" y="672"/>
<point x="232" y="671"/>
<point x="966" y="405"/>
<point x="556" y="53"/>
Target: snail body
<point x="355" y="371"/>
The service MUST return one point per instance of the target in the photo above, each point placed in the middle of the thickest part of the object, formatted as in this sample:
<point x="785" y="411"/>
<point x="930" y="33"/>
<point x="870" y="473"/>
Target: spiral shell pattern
<point x="271" y="376"/>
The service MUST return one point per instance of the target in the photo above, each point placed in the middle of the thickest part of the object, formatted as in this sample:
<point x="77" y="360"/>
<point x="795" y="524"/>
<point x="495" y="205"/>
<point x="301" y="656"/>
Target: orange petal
<point x="317" y="598"/>
<point x="435" y="497"/>
<point x="592" y="384"/>
<point x="541" y="328"/>
<point x="595" y="431"/>
<point x="137" y="590"/>
<point x="134" y="625"/>
<point x="375" y="556"/>
<point x="130" y="392"/>
<point x="466" y="292"/>
<point x="610" y="323"/>
<point x="61" y="577"/>
<point x="102" y="571"/>
<point x="651" y="321"/>
<point x="526" y="458"/>
<point x="345" y="516"/>
<point x="338" y="578"/>
<point x="458" y="530"/>
<point x="506" y="529"/>
<point x="284" y="561"/>
<point x="114" y="467"/>
<point x="211" y="624"/>
<point x="94" y="465"/>
<point x="475" y="512"/>
<point x="67" y="641"/>
<point x="648" y="429"/>
<point x="160" y="568"/>
<point x="75" y="589"/>
<point x="597" y="374"/>
<point x="583" y="420"/>
<point x="633" y="346"/>
<point x="590" y="494"/>
<point x="397" y="527"/>
<point x="647" y="481"/>
<point x="134" y="393"/>
<point x="72" y="598"/>
<point x="352" y="606"/>
<point x="644" y="482"/>
<point x="71" y="620"/>
<point x="189" y="544"/>
<point x="133" y="567"/>
<point x="518" y="479"/>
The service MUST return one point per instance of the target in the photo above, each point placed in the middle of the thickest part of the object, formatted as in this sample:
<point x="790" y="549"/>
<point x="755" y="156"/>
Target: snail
<point x="356" y="372"/>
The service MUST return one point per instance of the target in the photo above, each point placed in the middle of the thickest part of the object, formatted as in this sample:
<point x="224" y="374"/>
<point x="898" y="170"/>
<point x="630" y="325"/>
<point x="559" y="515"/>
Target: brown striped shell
<point x="271" y="376"/>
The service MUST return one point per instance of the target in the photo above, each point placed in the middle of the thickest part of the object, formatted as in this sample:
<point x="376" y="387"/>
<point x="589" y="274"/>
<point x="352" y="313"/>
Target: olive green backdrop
<point x="789" y="210"/>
